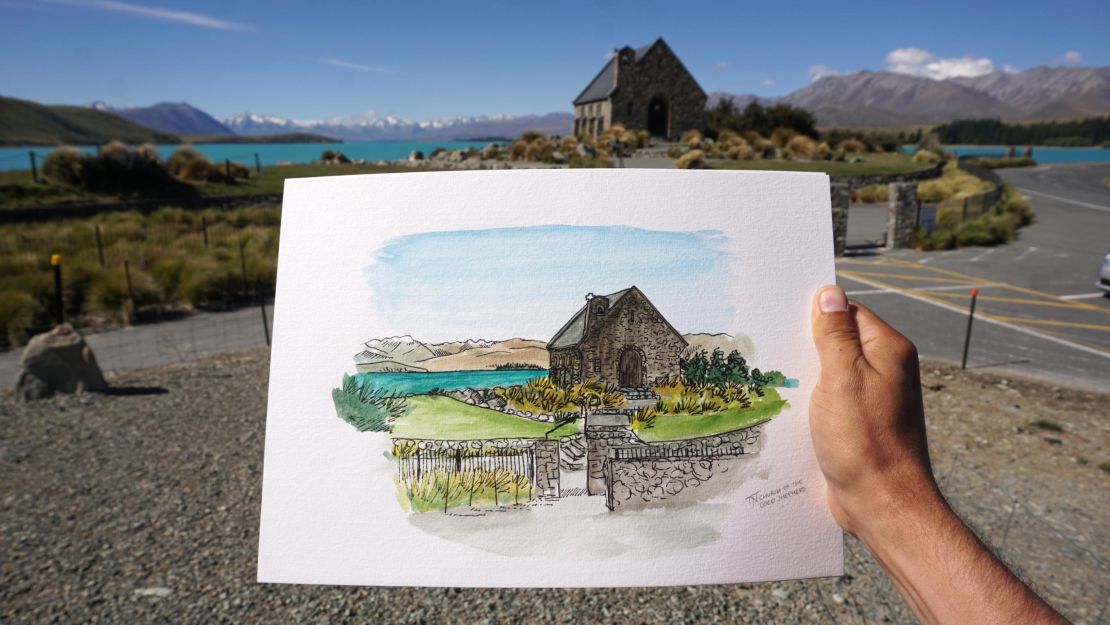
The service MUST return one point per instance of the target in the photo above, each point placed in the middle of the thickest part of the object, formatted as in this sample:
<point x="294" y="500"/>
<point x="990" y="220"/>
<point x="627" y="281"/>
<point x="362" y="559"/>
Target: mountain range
<point x="888" y="99"/>
<point x="175" y="117"/>
<point x="392" y="128"/>
<point x="404" y="353"/>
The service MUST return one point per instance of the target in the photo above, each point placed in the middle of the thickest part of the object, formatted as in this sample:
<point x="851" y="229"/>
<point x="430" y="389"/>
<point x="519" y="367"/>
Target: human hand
<point x="866" y="416"/>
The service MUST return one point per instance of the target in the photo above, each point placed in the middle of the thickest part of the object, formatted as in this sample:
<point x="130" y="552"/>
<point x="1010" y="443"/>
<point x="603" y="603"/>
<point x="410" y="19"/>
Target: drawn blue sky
<point x="527" y="282"/>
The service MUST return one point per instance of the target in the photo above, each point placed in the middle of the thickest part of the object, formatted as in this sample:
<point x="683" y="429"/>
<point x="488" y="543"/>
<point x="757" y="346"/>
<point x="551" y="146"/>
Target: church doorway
<point x="630" y="370"/>
<point x="658" y="124"/>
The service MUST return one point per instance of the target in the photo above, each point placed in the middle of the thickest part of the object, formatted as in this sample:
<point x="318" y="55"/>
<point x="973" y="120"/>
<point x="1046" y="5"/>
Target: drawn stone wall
<point x="547" y="469"/>
<point x="645" y="475"/>
<point x="598" y="440"/>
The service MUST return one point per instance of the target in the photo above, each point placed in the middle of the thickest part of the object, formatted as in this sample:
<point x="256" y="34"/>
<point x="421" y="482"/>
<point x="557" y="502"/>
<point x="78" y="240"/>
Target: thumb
<point x="835" y="331"/>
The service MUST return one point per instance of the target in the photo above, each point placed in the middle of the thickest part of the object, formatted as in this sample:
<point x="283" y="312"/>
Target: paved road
<point x="1039" y="311"/>
<point x="196" y="336"/>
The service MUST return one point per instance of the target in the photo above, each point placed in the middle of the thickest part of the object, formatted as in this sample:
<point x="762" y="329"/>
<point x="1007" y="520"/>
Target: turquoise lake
<point x="1042" y="154"/>
<point x="269" y="153"/>
<point x="419" y="383"/>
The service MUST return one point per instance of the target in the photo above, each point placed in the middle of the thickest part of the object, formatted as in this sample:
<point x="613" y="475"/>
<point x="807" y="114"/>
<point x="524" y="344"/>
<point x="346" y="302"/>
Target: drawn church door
<point x="630" y="369"/>
<point x="657" y="118"/>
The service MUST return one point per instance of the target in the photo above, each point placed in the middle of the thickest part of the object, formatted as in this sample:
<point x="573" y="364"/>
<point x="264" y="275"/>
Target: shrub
<point x="802" y="147"/>
<point x="17" y="313"/>
<point x="927" y="156"/>
<point x="439" y="490"/>
<point x="871" y="194"/>
<point x="852" y="145"/>
<point x="694" y="159"/>
<point x="111" y="296"/>
<point x="642" y="419"/>
<point x="781" y="136"/>
<point x="366" y="407"/>
<point x="692" y="138"/>
<point x="65" y="166"/>
<point x="674" y="151"/>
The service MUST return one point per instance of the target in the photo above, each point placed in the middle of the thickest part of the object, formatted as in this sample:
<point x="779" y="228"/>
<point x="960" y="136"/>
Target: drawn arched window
<point x="600" y="309"/>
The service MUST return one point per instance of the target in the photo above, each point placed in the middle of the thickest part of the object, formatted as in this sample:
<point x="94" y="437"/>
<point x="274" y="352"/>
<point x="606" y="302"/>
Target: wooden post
<point x="99" y="247"/>
<point x="56" y="265"/>
<point x="970" y="318"/>
<point x="204" y="230"/>
<point x="130" y="286"/>
<point x="257" y="164"/>
<point x="34" y="167"/>
<point x="243" y="264"/>
<point x="227" y="168"/>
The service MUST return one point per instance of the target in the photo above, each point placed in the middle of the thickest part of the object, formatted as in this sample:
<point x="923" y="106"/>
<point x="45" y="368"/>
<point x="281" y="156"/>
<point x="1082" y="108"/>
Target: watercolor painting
<point x="572" y="378"/>
<point x="613" y="402"/>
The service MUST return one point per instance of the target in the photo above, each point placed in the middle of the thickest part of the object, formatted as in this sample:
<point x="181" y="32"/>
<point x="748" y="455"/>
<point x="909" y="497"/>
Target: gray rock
<point x="416" y="155"/>
<point x="58" y="361"/>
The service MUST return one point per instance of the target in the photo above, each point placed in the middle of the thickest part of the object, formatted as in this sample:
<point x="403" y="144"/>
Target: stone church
<point x="644" y="89"/>
<point x="619" y="339"/>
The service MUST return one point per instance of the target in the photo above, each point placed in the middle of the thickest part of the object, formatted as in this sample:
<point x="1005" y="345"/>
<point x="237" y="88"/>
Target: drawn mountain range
<point x="406" y="354"/>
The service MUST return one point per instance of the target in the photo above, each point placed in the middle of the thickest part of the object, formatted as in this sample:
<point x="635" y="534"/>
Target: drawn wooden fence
<point x="519" y="461"/>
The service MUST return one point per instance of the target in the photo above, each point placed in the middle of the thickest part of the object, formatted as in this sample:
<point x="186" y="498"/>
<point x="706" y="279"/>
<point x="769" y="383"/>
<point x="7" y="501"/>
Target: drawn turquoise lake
<point x="409" y="383"/>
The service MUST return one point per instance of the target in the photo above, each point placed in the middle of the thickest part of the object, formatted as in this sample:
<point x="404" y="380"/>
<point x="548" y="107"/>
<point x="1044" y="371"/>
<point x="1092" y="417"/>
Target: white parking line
<point x="963" y="313"/>
<point x="979" y="257"/>
<point x="1097" y="207"/>
<point x="1083" y="296"/>
<point x="1026" y="252"/>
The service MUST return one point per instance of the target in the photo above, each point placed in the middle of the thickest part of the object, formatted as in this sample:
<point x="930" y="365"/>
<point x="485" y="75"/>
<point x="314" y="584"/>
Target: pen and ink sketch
<point x="601" y="397"/>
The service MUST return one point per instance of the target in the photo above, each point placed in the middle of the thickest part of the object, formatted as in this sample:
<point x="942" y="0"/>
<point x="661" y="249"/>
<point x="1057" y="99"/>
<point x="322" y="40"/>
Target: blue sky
<point x="528" y="282"/>
<point x="422" y="60"/>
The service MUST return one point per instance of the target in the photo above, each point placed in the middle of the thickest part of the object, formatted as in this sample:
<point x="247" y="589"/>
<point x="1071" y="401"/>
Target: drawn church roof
<point x="574" y="330"/>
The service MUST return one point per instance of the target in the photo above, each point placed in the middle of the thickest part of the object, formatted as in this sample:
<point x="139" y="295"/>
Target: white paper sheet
<point x="441" y="258"/>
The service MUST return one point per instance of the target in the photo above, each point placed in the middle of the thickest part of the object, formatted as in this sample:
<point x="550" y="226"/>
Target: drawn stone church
<point x="644" y="89"/>
<point x="619" y="339"/>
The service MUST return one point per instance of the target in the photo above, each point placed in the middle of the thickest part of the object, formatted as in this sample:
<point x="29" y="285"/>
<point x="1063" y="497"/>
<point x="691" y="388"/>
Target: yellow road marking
<point x="1009" y="300"/>
<point x="899" y="276"/>
<point x="1006" y="285"/>
<point x="1051" y="322"/>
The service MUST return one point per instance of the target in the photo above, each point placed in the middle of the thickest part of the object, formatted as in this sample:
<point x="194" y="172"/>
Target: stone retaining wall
<point x="855" y="182"/>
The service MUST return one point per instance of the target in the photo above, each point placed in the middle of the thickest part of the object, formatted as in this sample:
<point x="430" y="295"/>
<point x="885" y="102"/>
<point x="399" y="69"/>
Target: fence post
<point x="130" y="287"/>
<point x="34" y="167"/>
<point x="227" y="168"/>
<point x="970" y="318"/>
<point x="99" y="247"/>
<point x="901" y="214"/>
<point x="204" y="230"/>
<point x="56" y="265"/>
<point x="257" y="164"/>
<point x="243" y="264"/>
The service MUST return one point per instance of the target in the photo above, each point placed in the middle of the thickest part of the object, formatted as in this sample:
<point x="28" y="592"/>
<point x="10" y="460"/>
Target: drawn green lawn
<point x="446" y="418"/>
<point x="682" y="426"/>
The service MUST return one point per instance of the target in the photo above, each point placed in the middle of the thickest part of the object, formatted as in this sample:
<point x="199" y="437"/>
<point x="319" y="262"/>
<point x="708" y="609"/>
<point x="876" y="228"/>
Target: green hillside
<point x="28" y="123"/>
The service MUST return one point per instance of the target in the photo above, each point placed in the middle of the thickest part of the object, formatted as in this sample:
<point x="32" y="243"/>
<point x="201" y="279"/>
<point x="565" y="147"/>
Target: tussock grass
<point x="366" y="407"/>
<point x="438" y="490"/>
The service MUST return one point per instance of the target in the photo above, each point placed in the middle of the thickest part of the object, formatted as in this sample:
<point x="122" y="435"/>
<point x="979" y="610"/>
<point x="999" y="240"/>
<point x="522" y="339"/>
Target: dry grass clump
<point x="115" y="169"/>
<point x="188" y="164"/>
<point x="928" y="156"/>
<point x="802" y="147"/>
<point x="780" y="137"/>
<point x="694" y="159"/>
<point x="871" y="194"/>
<point x="170" y="266"/>
<point x="852" y="145"/>
<point x="692" y="139"/>
<point x="953" y="184"/>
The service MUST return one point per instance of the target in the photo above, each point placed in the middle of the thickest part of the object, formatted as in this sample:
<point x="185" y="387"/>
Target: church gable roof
<point x="605" y="82"/>
<point x="574" y="330"/>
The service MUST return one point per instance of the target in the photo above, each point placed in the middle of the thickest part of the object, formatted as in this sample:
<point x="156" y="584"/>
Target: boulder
<point x="416" y="155"/>
<point x="58" y="361"/>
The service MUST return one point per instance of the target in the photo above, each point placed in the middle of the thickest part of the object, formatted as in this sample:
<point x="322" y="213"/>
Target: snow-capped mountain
<point x="372" y="127"/>
<point x="404" y="353"/>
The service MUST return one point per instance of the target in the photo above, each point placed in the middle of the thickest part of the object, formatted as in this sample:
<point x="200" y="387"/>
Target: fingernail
<point x="833" y="299"/>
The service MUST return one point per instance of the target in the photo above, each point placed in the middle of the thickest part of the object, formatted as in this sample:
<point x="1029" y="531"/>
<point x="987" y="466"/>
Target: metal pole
<point x="243" y="264"/>
<point x="265" y="322"/>
<point x="130" y="287"/>
<point x="970" y="318"/>
<point x="56" y="264"/>
<point x="227" y="168"/>
<point x="34" y="167"/>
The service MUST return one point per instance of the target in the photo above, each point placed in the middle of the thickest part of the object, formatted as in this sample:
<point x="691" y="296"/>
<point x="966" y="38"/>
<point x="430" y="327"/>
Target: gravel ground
<point x="142" y="507"/>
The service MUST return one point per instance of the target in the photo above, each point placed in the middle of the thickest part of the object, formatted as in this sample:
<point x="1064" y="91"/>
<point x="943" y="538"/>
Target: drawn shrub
<point x="367" y="408"/>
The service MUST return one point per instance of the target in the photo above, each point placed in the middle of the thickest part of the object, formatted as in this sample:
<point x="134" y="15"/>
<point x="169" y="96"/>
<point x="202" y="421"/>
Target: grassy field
<point x="873" y="164"/>
<point x="683" y="426"/>
<point x="445" y="418"/>
<point x="18" y="189"/>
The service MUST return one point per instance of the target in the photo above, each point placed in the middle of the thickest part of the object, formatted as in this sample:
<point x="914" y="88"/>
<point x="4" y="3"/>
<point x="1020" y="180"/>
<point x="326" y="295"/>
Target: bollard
<point x="59" y="312"/>
<point x="970" y="318"/>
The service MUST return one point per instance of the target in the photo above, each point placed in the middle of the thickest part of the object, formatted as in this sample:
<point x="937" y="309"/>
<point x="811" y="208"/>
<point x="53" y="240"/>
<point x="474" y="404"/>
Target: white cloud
<point x="722" y="65"/>
<point x="1071" y="57"/>
<point x="817" y="72"/>
<point x="766" y="82"/>
<point x="918" y="62"/>
<point x="356" y="66"/>
<point x="155" y="13"/>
